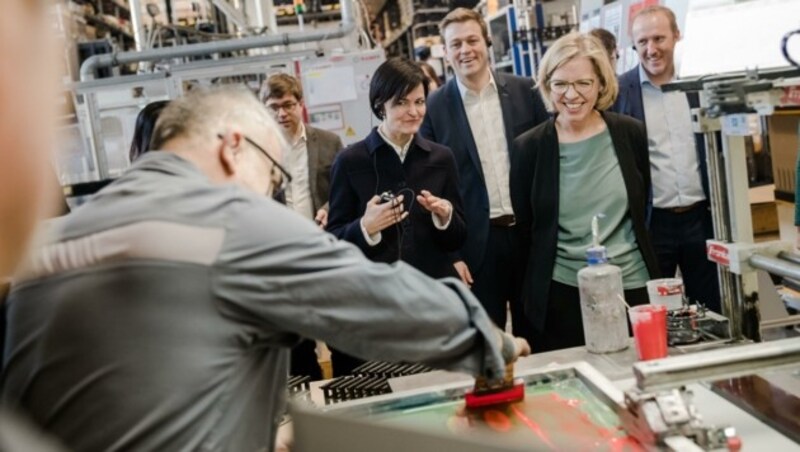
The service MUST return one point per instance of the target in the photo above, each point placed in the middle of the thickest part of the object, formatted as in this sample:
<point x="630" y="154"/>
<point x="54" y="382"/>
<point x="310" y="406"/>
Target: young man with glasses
<point x="311" y="152"/>
<point x="308" y="163"/>
<point x="159" y="315"/>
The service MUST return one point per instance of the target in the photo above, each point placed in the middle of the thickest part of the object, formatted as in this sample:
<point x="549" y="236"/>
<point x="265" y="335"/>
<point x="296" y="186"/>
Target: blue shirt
<point x="674" y="167"/>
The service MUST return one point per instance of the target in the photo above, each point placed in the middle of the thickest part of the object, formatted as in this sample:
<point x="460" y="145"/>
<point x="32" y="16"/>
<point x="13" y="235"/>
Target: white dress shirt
<point x="485" y="116"/>
<point x="298" y="191"/>
<point x="674" y="167"/>
<point x="402" y="152"/>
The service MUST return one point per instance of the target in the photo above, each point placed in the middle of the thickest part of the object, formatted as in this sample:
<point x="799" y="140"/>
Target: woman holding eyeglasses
<point x="395" y="194"/>
<point x="582" y="162"/>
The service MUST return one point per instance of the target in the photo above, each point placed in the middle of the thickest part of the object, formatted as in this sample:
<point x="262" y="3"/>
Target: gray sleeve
<point x="281" y="274"/>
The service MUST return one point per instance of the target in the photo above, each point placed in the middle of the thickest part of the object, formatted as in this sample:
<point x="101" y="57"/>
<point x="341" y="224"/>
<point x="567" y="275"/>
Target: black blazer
<point x="535" y="195"/>
<point x="371" y="167"/>
<point x="446" y="123"/>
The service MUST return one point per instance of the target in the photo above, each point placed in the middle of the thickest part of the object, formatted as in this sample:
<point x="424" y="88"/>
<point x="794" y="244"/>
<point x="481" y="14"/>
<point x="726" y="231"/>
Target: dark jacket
<point x="629" y="102"/>
<point x="371" y="167"/>
<point x="322" y="149"/>
<point x="535" y="195"/>
<point x="446" y="123"/>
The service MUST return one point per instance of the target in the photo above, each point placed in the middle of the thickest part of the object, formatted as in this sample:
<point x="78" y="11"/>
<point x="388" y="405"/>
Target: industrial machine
<point x="95" y="150"/>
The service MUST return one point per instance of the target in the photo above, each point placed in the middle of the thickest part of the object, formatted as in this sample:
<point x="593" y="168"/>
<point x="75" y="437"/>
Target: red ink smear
<point x="534" y="427"/>
<point x="624" y="443"/>
<point x="574" y="427"/>
<point x="497" y="420"/>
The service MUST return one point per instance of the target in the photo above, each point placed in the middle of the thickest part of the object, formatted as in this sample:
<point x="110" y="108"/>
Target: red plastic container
<point x="649" y="324"/>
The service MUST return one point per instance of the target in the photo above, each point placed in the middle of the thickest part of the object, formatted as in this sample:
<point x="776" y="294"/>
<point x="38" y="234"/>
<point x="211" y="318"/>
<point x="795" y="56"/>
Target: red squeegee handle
<point x="515" y="393"/>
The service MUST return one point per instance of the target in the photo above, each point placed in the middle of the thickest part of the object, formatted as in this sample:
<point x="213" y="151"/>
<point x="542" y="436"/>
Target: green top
<point x="590" y="183"/>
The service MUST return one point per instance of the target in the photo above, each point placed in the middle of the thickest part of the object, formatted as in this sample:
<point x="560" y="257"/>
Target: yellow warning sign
<point x="350" y="132"/>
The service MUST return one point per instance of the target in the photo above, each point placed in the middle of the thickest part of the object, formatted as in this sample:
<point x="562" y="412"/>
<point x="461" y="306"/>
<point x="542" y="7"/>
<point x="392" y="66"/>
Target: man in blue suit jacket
<point x="680" y="220"/>
<point x="477" y="115"/>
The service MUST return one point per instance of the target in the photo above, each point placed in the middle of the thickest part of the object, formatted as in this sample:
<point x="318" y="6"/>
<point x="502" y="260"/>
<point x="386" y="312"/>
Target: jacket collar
<point x="375" y="142"/>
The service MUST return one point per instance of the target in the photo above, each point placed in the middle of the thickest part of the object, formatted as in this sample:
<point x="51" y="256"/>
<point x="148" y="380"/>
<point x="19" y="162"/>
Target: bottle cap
<point x="596" y="255"/>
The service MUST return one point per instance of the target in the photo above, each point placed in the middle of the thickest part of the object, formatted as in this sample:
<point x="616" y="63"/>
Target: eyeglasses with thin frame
<point x="288" y="107"/>
<point x="582" y="86"/>
<point x="286" y="177"/>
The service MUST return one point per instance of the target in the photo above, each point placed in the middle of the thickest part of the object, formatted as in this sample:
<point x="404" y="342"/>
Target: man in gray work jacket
<point x="159" y="315"/>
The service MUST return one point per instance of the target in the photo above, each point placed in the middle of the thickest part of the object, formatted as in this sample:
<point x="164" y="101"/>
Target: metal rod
<point x="233" y="14"/>
<point x="736" y="314"/>
<point x="139" y="34"/>
<point x="780" y="323"/>
<point x="791" y="257"/>
<point x="716" y="188"/>
<point x="717" y="364"/>
<point x="720" y="214"/>
<point x="775" y="266"/>
<point x="95" y="62"/>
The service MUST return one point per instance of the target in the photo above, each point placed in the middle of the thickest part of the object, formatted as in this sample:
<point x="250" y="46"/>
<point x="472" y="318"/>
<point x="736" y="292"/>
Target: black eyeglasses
<point x="288" y="107"/>
<point x="275" y="163"/>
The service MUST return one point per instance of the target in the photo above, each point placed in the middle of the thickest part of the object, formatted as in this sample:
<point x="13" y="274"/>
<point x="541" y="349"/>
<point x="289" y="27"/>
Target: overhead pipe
<point x="93" y="63"/>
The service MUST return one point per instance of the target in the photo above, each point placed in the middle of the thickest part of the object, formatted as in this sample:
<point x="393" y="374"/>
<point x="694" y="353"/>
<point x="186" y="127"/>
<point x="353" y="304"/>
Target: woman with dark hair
<point x="395" y="194"/>
<point x="143" y="132"/>
<point x="430" y="73"/>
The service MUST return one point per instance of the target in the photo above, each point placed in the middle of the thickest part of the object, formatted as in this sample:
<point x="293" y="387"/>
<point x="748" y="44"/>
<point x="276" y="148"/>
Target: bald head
<point x="226" y="133"/>
<point x="203" y="114"/>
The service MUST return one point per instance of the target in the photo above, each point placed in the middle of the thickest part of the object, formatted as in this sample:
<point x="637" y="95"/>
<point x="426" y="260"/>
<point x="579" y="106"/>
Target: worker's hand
<point x="513" y="347"/>
<point x="284" y="439"/>
<point x="322" y="218"/>
<point x="463" y="273"/>
<point x="378" y="216"/>
<point x="442" y="208"/>
<point x="521" y="348"/>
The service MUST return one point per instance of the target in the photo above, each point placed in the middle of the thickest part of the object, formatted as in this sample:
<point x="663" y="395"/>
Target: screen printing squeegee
<point x="483" y="394"/>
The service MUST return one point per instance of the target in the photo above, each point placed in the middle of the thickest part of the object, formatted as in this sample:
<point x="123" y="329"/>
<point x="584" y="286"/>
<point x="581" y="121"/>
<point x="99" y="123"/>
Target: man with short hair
<point x="308" y="159"/>
<point x="311" y="152"/>
<point x="609" y="42"/>
<point x="158" y="316"/>
<point x="477" y="115"/>
<point x="680" y="221"/>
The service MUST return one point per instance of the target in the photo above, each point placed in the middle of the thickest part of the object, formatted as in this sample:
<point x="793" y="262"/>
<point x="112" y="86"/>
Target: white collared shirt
<point x="485" y="116"/>
<point x="402" y="152"/>
<point x="298" y="192"/>
<point x="674" y="166"/>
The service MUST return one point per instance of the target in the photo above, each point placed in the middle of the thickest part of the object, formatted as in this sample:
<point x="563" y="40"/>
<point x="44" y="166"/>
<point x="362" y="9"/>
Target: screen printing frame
<point x="347" y="426"/>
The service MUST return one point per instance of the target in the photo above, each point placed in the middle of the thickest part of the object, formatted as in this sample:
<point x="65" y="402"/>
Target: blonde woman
<point x="581" y="162"/>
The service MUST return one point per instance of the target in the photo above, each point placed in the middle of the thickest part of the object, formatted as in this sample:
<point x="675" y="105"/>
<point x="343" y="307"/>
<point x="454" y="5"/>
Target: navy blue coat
<point x="370" y="167"/>
<point x="629" y="102"/>
<point x="446" y="123"/>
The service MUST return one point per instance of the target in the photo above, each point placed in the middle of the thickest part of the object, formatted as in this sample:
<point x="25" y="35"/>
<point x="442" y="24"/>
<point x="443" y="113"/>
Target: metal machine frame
<point x="725" y="102"/>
